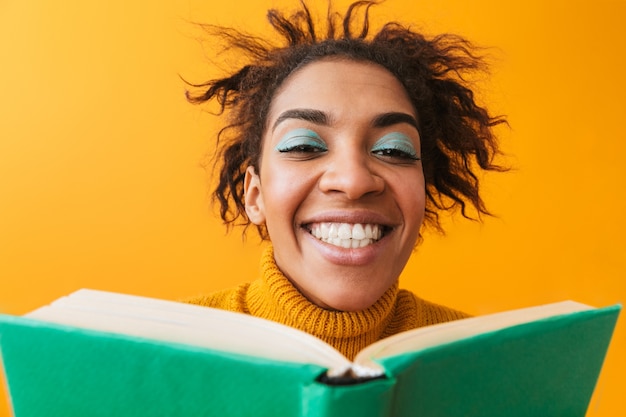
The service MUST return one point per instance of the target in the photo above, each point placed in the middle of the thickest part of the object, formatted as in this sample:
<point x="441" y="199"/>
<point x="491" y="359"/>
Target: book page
<point x="439" y="334"/>
<point x="189" y="324"/>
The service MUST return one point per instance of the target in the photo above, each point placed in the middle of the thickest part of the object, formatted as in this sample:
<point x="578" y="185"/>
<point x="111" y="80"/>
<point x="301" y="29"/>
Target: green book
<point x="95" y="353"/>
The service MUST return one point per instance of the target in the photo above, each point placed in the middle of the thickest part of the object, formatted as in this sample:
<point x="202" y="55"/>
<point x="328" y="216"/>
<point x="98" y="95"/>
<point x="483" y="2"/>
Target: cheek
<point x="411" y="196"/>
<point x="284" y="190"/>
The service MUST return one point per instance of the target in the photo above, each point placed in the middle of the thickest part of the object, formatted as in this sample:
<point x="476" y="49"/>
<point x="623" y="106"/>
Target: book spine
<point x="368" y="399"/>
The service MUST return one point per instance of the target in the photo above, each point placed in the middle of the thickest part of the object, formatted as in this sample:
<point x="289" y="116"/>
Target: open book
<point x="95" y="350"/>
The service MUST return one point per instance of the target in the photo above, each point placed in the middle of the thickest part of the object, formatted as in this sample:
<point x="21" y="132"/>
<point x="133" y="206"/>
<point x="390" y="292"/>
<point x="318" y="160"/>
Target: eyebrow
<point x="394" y="118"/>
<point x="320" y="118"/>
<point x="317" y="117"/>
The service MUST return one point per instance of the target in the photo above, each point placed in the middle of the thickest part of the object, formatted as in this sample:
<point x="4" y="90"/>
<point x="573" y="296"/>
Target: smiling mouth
<point x="347" y="235"/>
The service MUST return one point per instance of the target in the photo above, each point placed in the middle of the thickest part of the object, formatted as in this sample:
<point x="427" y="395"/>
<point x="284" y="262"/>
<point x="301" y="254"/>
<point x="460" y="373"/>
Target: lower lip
<point x="348" y="257"/>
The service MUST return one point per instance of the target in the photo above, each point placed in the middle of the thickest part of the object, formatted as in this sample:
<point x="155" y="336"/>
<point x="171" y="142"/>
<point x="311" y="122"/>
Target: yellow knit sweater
<point x="273" y="297"/>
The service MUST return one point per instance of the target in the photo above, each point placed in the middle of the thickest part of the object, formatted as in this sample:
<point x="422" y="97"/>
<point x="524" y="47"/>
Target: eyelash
<point x="301" y="142"/>
<point x="303" y="148"/>
<point x="396" y="146"/>
<point x="309" y="144"/>
<point x="396" y="153"/>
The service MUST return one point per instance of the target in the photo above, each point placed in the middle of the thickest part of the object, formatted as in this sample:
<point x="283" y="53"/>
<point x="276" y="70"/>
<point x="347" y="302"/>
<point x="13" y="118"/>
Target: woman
<point x="339" y="148"/>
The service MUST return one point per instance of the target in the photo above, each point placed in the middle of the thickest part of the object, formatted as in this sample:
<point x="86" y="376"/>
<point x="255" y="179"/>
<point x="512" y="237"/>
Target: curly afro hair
<point x="456" y="133"/>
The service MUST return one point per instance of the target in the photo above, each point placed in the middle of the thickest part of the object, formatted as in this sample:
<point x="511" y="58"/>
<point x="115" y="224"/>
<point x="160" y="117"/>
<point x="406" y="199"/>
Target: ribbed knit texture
<point x="273" y="297"/>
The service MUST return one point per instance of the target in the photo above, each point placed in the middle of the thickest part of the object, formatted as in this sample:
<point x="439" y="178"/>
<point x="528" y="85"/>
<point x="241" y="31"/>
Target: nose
<point x="352" y="175"/>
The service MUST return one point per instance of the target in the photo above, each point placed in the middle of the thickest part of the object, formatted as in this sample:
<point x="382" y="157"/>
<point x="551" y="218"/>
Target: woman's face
<point x="340" y="188"/>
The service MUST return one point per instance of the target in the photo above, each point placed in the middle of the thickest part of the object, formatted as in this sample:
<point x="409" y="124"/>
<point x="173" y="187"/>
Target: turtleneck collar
<point x="274" y="297"/>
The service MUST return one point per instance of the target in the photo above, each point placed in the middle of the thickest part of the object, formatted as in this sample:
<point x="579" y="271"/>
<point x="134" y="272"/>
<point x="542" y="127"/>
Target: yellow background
<point x="101" y="185"/>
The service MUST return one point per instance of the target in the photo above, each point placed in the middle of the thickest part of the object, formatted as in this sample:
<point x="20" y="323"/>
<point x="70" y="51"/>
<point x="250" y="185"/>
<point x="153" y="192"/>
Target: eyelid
<point x="299" y="137"/>
<point x="397" y="141"/>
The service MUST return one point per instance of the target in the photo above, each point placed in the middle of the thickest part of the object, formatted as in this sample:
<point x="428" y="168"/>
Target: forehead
<point x="345" y="89"/>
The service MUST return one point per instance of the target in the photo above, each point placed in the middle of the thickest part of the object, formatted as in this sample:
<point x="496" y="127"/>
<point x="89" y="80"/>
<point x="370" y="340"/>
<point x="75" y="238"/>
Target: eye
<point x="301" y="141"/>
<point x="395" y="146"/>
<point x="396" y="153"/>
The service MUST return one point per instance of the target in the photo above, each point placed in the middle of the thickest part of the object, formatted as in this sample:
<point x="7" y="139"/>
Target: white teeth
<point x="345" y="231"/>
<point x="324" y="227"/>
<point x="347" y="235"/>
<point x="358" y="232"/>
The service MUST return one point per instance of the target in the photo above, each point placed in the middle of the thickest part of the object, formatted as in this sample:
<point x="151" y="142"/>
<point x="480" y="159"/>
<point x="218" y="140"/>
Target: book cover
<point x="547" y="367"/>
